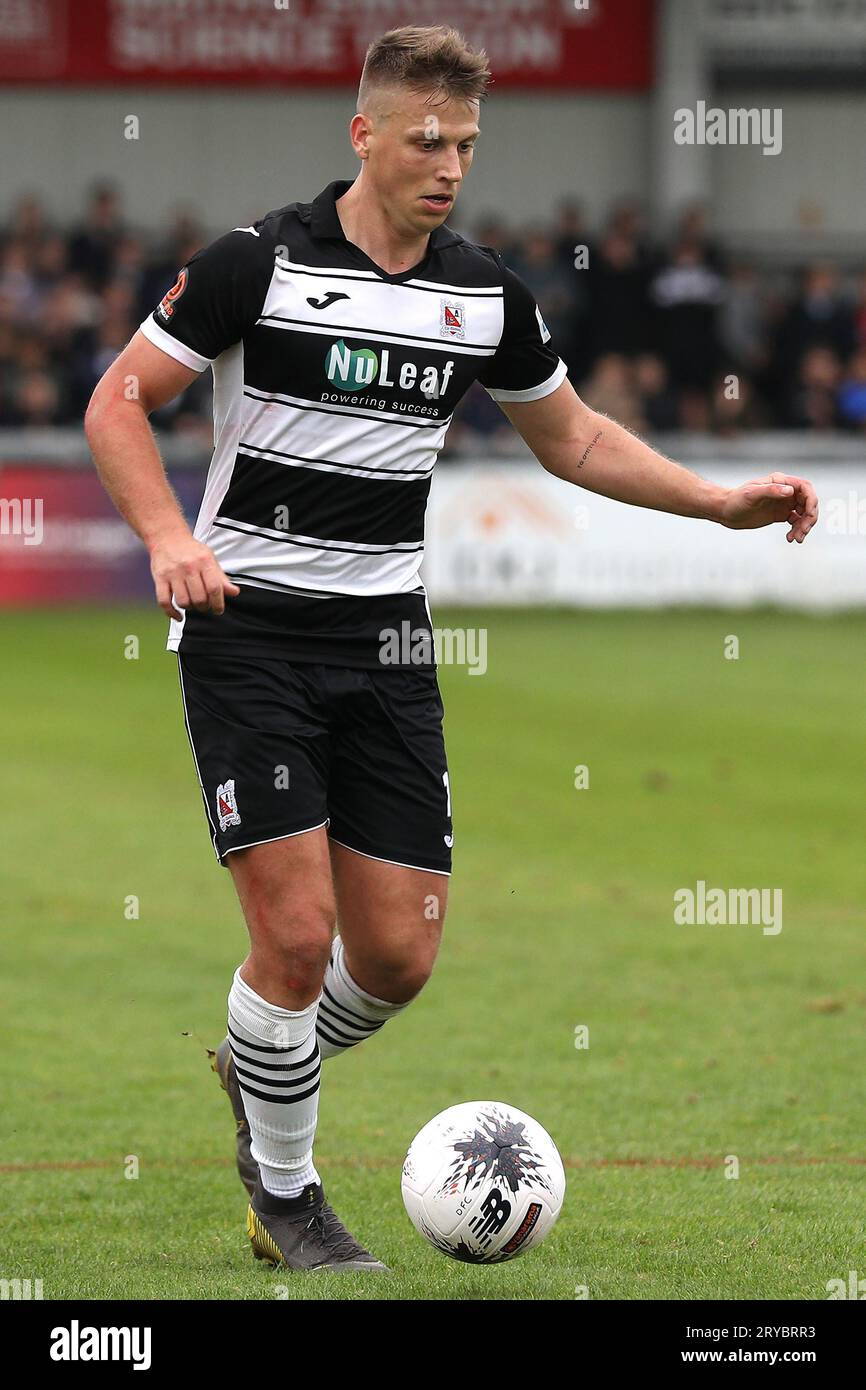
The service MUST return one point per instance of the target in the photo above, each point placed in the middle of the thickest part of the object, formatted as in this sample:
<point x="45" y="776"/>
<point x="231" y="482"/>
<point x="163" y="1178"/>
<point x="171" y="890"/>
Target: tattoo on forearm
<point x="587" y="451"/>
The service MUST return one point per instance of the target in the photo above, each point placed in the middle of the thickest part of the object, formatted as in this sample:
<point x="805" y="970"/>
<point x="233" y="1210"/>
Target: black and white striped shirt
<point x="334" y="386"/>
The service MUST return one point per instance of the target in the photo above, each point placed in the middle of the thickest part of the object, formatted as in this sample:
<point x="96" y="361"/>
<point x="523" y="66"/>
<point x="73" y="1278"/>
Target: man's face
<point x="419" y="149"/>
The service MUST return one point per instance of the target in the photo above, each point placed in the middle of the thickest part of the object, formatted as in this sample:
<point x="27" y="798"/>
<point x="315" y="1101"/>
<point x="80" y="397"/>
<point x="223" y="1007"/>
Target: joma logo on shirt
<point x="354" y="369"/>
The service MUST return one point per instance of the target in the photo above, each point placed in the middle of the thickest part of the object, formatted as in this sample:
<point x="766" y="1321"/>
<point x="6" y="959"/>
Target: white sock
<point x="277" y="1062"/>
<point x="347" y="1014"/>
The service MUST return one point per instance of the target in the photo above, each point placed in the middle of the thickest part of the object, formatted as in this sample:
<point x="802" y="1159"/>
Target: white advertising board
<point x="512" y="534"/>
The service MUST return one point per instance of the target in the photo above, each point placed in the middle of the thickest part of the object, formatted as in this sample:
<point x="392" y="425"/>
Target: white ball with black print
<point x="483" y="1182"/>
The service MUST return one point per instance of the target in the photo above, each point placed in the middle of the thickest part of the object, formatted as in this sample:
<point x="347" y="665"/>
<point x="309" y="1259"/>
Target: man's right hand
<point x="128" y="462"/>
<point x="181" y="566"/>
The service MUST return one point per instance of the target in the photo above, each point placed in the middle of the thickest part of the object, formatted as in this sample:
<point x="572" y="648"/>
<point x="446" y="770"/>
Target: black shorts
<point x="281" y="747"/>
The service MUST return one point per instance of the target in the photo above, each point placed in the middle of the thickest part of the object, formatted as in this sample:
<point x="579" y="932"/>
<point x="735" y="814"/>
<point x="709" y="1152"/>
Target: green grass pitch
<point x="704" y="1041"/>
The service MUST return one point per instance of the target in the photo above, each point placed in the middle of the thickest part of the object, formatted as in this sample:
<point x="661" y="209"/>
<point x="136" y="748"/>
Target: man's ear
<point x="360" y="130"/>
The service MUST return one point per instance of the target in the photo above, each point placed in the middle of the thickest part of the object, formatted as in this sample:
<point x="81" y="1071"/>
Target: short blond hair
<point x="423" y="59"/>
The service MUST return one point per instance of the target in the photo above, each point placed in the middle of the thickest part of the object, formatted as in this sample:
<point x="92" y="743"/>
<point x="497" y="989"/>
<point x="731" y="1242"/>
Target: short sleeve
<point x="524" y="367"/>
<point x="217" y="295"/>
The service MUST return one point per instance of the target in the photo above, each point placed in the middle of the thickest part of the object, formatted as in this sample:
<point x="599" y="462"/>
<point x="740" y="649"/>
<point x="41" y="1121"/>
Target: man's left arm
<point x="583" y="447"/>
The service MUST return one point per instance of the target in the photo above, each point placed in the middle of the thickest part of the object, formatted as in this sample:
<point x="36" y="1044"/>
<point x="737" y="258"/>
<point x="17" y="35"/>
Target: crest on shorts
<point x="452" y="318"/>
<point x="227" y="805"/>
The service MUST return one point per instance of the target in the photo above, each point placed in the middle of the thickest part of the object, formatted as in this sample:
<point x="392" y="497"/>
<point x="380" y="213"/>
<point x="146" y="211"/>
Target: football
<point x="483" y="1182"/>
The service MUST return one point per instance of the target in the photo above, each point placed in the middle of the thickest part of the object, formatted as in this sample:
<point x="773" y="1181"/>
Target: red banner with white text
<point x="530" y="43"/>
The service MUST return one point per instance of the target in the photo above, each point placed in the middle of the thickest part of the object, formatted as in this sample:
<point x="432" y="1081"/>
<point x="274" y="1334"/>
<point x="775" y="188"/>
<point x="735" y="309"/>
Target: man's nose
<point x="449" y="166"/>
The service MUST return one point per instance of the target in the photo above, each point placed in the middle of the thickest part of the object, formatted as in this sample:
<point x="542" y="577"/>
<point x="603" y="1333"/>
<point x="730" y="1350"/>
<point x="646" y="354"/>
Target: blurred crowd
<point x="661" y="335"/>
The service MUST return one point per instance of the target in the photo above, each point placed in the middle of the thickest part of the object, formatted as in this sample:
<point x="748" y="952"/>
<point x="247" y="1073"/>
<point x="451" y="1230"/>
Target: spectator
<point x="812" y="402"/>
<point x="627" y="220"/>
<point x="695" y="411"/>
<point x="859" y="313"/>
<point x="659" y="403"/>
<point x="851" y="400"/>
<point x="18" y="291"/>
<point x="92" y="245"/>
<point x="570" y="231"/>
<point x="692" y="228"/>
<point x="686" y="294"/>
<point x="37" y="400"/>
<point x="611" y="389"/>
<point x="555" y="293"/>
<point x="49" y="261"/>
<point x="742" y="321"/>
<point x="818" y="317"/>
<point x="617" y="298"/>
<point x="491" y="230"/>
<point x="735" y="406"/>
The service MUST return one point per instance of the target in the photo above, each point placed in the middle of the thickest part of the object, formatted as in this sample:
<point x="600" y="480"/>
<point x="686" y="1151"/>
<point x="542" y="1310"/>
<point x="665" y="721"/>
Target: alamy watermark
<point x="20" y="1289"/>
<point x="846" y="516"/>
<point x="447" y="646"/>
<point x="853" y="1288"/>
<point x="77" y="1343"/>
<point x="22" y="516"/>
<point x="718" y="907"/>
<point x="738" y="126"/>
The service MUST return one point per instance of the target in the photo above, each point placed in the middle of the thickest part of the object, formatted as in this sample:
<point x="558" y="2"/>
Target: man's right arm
<point x="140" y="380"/>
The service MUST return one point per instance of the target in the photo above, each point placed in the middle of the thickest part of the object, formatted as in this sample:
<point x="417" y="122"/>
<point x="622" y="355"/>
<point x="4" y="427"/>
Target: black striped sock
<point x="347" y="1014"/>
<point x="277" y="1062"/>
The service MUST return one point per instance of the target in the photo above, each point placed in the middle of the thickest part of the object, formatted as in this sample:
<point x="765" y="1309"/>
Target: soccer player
<point x="341" y="334"/>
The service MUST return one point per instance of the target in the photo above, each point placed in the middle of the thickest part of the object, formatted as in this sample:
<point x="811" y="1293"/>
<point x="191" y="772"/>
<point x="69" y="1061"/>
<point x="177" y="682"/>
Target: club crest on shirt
<point x="166" y="304"/>
<point x="452" y="318"/>
<point x="227" y="805"/>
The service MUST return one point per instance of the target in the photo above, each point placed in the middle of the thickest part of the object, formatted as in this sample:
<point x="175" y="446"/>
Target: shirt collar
<point x="325" y="221"/>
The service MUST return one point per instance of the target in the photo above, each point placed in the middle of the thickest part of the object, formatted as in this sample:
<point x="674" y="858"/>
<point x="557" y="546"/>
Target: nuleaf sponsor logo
<point x="718" y="907"/>
<point x="77" y="1343"/>
<point x="356" y="370"/>
<point x="22" y="516"/>
<point x="411" y="646"/>
<point x="738" y="126"/>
